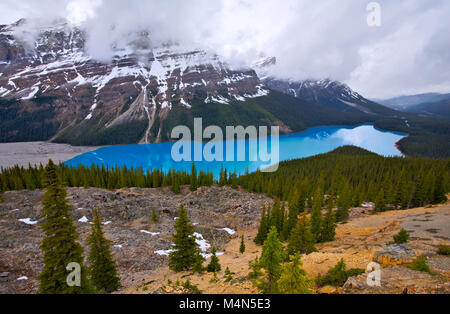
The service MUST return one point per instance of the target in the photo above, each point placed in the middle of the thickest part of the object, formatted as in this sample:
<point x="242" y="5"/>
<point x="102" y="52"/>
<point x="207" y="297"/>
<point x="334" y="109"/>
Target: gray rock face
<point x="396" y="254"/>
<point x="55" y="77"/>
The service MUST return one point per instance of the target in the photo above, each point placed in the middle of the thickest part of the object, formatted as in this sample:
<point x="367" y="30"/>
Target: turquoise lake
<point x="311" y="142"/>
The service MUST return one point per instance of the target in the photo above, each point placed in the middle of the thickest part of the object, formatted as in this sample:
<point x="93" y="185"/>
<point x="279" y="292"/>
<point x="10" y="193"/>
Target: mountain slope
<point x="404" y="103"/>
<point x="55" y="85"/>
<point x="328" y="93"/>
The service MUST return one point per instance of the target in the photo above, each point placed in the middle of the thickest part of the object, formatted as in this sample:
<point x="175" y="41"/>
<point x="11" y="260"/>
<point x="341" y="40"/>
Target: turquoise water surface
<point x="314" y="141"/>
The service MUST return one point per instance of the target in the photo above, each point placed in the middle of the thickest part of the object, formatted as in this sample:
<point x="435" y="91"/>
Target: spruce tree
<point x="293" y="278"/>
<point x="59" y="246"/>
<point x="185" y="253"/>
<point x="301" y="239"/>
<point x="343" y="203"/>
<point x="263" y="229"/>
<point x="276" y="216"/>
<point x="155" y="217"/>
<point x="329" y="224"/>
<point x="103" y="269"/>
<point x="316" y="215"/>
<point x="242" y="246"/>
<point x="379" y="201"/>
<point x="271" y="258"/>
<point x="175" y="185"/>
<point x="193" y="179"/>
<point x="214" y="265"/>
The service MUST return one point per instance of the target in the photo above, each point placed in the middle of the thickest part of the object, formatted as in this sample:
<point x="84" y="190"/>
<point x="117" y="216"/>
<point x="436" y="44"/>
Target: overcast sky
<point x="409" y="53"/>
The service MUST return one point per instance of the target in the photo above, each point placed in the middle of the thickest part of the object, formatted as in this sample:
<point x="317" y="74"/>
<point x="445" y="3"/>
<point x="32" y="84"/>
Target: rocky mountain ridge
<point x="57" y="78"/>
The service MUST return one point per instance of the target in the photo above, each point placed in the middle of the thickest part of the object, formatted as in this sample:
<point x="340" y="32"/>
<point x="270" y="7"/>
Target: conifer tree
<point x="263" y="229"/>
<point x="293" y="278"/>
<point x="276" y="216"/>
<point x="242" y="246"/>
<point x="271" y="258"/>
<point x="439" y="190"/>
<point x="185" y="253"/>
<point x="59" y="246"/>
<point x="155" y="217"/>
<point x="234" y="181"/>
<point x="175" y="185"/>
<point x="379" y="201"/>
<point x="316" y="215"/>
<point x="293" y="213"/>
<point x="193" y="179"/>
<point x="214" y="265"/>
<point x="343" y="203"/>
<point x="301" y="239"/>
<point x="103" y="269"/>
<point x="329" y="224"/>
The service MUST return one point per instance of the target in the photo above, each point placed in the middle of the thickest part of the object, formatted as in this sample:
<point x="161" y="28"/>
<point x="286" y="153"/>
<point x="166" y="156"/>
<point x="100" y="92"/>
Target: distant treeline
<point x="20" y="178"/>
<point x="348" y="173"/>
<point x="359" y="176"/>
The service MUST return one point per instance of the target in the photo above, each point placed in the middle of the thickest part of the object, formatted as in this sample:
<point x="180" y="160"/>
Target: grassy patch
<point x="421" y="264"/>
<point x="444" y="250"/>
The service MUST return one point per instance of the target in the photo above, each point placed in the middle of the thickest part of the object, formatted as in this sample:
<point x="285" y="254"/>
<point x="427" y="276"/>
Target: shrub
<point x="338" y="275"/>
<point x="402" y="237"/>
<point x="191" y="287"/>
<point x="421" y="264"/>
<point x="444" y="250"/>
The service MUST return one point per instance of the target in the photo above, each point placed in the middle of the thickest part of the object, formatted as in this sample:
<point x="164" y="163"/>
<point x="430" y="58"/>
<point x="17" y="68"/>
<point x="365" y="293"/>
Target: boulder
<point x="394" y="255"/>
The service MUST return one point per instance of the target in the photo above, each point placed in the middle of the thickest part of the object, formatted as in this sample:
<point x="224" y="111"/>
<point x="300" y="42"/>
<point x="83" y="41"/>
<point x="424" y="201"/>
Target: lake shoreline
<point x="34" y="153"/>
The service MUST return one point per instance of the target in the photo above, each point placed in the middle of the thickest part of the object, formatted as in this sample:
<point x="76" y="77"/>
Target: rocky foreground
<point x="220" y="216"/>
<point x="139" y="245"/>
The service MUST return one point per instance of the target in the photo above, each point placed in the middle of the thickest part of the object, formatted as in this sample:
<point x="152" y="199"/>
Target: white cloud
<point x="311" y="39"/>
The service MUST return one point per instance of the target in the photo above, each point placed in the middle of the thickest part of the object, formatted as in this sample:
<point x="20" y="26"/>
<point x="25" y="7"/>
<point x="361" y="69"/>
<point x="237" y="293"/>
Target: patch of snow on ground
<point x="207" y="255"/>
<point x="22" y="278"/>
<point x="83" y="219"/>
<point x="163" y="252"/>
<point x="28" y="221"/>
<point x="151" y="233"/>
<point x="228" y="230"/>
<point x="201" y="242"/>
<point x="107" y="223"/>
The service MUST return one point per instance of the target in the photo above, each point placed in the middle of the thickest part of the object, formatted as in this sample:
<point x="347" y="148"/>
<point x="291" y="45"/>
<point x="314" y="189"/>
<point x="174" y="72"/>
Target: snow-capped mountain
<point x="55" y="78"/>
<point x="325" y="92"/>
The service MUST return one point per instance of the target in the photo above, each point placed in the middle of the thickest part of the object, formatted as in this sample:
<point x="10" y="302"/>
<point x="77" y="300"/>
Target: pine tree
<point x="316" y="215"/>
<point x="329" y="224"/>
<point x="379" y="201"/>
<point x="263" y="229"/>
<point x="214" y="266"/>
<point x="193" y="179"/>
<point x="234" y="181"/>
<point x="103" y="269"/>
<point x="439" y="190"/>
<point x="292" y="215"/>
<point x="301" y="239"/>
<point x="242" y="246"/>
<point x="271" y="257"/>
<point x="175" y="185"/>
<point x="155" y="217"/>
<point x="59" y="246"/>
<point x="185" y="252"/>
<point x="276" y="215"/>
<point x="293" y="278"/>
<point x="342" y="213"/>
